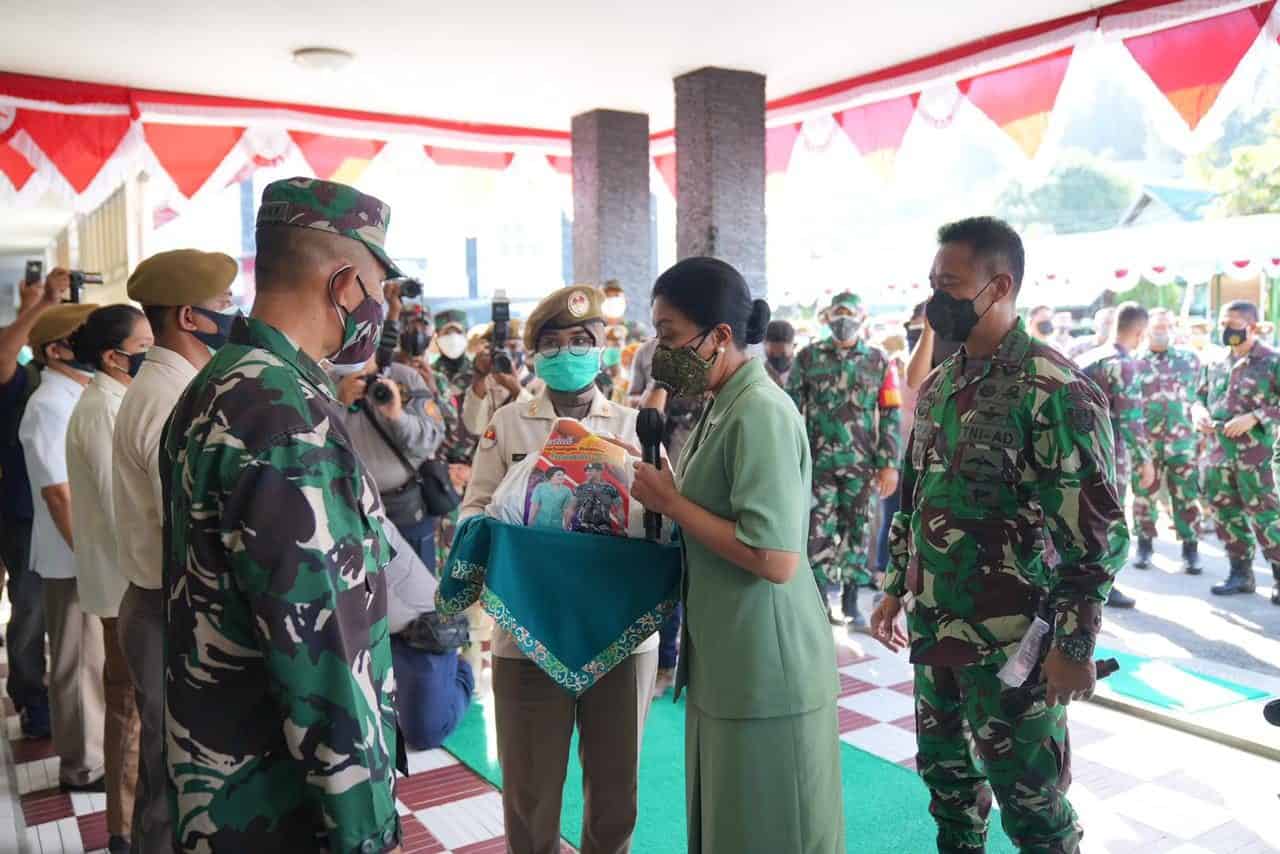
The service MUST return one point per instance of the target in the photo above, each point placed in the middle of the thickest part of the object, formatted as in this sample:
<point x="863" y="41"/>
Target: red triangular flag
<point x="877" y="129"/>
<point x="16" y="167"/>
<point x="666" y="166"/>
<point x="442" y="156"/>
<point x="190" y="153"/>
<point x="336" y="158"/>
<point x="78" y="145"/>
<point x="1020" y="99"/>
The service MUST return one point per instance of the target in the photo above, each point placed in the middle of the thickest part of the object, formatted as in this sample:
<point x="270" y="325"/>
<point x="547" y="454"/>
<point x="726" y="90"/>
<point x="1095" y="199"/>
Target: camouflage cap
<point x="182" y="277"/>
<point x="332" y="207"/>
<point x="452" y="317"/>
<point x="59" y="322"/>
<point x="846" y="299"/>
<point x="576" y="305"/>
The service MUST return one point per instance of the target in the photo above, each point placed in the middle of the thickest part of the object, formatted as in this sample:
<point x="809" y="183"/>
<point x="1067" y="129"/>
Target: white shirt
<point x="516" y="432"/>
<point x="147" y="404"/>
<point x="93" y="513"/>
<point x="43" y="433"/>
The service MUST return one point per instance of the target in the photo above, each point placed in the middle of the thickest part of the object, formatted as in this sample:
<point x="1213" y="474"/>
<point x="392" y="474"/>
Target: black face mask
<point x="1231" y="337"/>
<point x="954" y="319"/>
<point x="781" y="364"/>
<point x="414" y="342"/>
<point x="1045" y="327"/>
<point x="224" y="322"/>
<point x="135" y="361"/>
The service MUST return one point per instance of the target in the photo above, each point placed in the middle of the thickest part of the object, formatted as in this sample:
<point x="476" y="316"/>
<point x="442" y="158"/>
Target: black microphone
<point x="1272" y="712"/>
<point x="649" y="429"/>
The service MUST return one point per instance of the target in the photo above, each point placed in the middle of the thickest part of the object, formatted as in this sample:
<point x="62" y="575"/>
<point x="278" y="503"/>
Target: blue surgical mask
<point x="568" y="372"/>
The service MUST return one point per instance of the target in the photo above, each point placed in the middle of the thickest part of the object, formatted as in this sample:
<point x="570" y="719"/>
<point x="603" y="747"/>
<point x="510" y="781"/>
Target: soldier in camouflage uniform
<point x="1238" y="407"/>
<point x="596" y="505"/>
<point x="457" y="370"/>
<point x="1116" y="372"/>
<point x="281" y="722"/>
<point x="848" y="393"/>
<point x="1010" y="441"/>
<point x="1168" y="377"/>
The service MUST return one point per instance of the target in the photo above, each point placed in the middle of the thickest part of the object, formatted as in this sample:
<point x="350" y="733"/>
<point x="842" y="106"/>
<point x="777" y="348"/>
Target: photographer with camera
<point x="395" y="427"/>
<point x="502" y="373"/>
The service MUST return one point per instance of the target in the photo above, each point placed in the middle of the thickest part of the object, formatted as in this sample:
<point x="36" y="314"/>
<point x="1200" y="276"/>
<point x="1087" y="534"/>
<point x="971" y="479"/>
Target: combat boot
<point x="849" y="604"/>
<point x="1239" y="581"/>
<point x="1191" y="558"/>
<point x="1118" y="600"/>
<point x="1275" y="590"/>
<point x="1142" y="560"/>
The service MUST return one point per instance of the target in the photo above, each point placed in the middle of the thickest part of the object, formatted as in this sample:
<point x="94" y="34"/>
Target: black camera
<point x="79" y="278"/>
<point x="379" y="391"/>
<point x="410" y="288"/>
<point x="35" y="272"/>
<point x="501" y="318"/>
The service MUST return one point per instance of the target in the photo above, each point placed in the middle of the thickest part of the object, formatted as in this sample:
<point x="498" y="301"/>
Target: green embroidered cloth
<point x="576" y="604"/>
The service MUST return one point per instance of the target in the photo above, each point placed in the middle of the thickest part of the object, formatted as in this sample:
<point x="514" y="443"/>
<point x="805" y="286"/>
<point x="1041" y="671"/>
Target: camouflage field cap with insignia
<point x="332" y="207"/>
<point x="576" y="305"/>
<point x="846" y="299"/>
<point x="59" y="322"/>
<point x="452" y="317"/>
<point x="182" y="277"/>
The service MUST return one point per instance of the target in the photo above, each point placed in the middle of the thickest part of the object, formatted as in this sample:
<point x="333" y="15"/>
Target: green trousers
<point x="840" y="526"/>
<point x="1182" y="476"/>
<point x="976" y="737"/>
<point x="1244" y="505"/>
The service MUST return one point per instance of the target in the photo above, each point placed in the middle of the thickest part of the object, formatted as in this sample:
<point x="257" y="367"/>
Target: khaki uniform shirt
<point x="522" y="429"/>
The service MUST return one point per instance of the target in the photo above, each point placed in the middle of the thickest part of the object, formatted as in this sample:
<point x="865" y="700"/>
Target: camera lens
<point x="381" y="393"/>
<point x="411" y="289"/>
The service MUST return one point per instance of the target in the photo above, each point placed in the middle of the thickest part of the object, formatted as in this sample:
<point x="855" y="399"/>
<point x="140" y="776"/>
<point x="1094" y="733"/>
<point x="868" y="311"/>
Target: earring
<point x="720" y="350"/>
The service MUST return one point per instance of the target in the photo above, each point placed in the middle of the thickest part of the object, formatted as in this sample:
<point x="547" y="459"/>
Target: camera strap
<point x="395" y="449"/>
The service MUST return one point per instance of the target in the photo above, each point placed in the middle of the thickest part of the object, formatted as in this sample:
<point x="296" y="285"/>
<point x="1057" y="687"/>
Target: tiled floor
<point x="1140" y="788"/>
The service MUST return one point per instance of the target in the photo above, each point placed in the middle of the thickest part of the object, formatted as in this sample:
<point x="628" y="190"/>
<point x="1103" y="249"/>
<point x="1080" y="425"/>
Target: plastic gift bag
<point x="580" y="482"/>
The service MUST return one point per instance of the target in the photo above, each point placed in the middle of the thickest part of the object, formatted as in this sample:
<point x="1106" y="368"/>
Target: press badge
<point x="1019" y="667"/>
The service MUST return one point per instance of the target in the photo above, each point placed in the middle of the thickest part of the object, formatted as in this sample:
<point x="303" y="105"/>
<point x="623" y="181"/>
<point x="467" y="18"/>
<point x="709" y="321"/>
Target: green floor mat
<point x="1172" y="686"/>
<point x="886" y="806"/>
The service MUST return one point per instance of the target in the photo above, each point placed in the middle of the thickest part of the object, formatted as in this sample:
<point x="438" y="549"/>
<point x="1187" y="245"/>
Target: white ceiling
<point x="503" y="61"/>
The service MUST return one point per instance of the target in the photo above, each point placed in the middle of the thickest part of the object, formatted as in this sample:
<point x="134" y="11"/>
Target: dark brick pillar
<point x="611" y="204"/>
<point x="720" y="169"/>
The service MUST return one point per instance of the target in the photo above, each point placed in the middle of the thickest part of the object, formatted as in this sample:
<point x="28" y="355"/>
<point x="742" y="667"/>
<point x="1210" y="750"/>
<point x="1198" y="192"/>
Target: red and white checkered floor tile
<point x="1138" y="787"/>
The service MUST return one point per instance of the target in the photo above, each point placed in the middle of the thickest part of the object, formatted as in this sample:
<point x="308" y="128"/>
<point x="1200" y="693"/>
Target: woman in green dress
<point x="757" y="656"/>
<point x="547" y="504"/>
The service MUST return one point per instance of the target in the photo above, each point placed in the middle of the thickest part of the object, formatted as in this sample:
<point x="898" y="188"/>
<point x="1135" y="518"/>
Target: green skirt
<point x="764" y="786"/>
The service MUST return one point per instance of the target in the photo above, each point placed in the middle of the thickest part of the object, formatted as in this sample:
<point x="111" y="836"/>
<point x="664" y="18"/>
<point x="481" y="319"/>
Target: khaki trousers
<point x="121" y="753"/>
<point x="142" y="634"/>
<point x="535" y="719"/>
<point x="76" y="701"/>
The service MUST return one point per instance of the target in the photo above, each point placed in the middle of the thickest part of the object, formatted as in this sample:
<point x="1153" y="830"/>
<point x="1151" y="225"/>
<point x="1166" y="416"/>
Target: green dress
<point x="757" y="659"/>
<point x="551" y="501"/>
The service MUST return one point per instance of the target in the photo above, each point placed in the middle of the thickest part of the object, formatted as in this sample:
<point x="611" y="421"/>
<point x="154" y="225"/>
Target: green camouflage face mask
<point x="682" y="369"/>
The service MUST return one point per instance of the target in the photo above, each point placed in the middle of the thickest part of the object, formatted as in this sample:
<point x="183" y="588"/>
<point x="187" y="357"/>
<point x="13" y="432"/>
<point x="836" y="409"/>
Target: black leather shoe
<point x="117" y="845"/>
<point x="1191" y="558"/>
<point x="1275" y="595"/>
<point x="849" y="604"/>
<point x="1142" y="560"/>
<point x="1119" y="600"/>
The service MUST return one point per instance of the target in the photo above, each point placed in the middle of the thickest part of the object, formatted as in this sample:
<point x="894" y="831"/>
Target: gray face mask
<point x="844" y="328"/>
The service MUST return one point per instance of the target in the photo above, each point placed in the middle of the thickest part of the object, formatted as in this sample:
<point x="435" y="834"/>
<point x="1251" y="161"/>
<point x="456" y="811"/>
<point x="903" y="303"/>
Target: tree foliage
<point x="1246" y="175"/>
<point x="1079" y="194"/>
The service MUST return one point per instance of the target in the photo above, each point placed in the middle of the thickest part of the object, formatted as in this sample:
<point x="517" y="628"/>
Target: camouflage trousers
<point x="840" y="526"/>
<point x="972" y="740"/>
<point x="1182" y="477"/>
<point x="1244" y="497"/>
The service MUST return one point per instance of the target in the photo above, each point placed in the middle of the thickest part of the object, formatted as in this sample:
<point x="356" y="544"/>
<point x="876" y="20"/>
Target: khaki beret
<point x="59" y="322"/>
<point x="182" y="277"/>
<point x="575" y="305"/>
<point x="514" y="328"/>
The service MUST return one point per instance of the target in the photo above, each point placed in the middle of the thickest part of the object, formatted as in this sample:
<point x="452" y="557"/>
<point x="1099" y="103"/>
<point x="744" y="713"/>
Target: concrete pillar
<point x="720" y="169"/>
<point x="611" y="204"/>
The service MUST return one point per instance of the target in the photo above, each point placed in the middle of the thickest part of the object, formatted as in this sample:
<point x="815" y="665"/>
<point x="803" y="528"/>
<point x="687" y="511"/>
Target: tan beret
<point x="514" y="329"/>
<point x="59" y="322"/>
<point x="182" y="277"/>
<point x="575" y="305"/>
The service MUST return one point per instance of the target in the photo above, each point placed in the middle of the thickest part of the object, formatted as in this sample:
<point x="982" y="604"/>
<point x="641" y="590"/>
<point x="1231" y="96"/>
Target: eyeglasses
<point x="579" y="345"/>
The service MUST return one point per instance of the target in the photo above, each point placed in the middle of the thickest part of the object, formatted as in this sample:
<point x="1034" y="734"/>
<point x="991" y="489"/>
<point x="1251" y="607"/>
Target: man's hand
<point x="887" y="478"/>
<point x="459" y="475"/>
<point x="1067" y="680"/>
<point x="56" y="285"/>
<point x="351" y="388"/>
<point x="391" y="291"/>
<point x="508" y="382"/>
<point x="393" y="408"/>
<point x="422" y="365"/>
<point x="1240" y="425"/>
<point x="1147" y="475"/>
<point x="886" y="624"/>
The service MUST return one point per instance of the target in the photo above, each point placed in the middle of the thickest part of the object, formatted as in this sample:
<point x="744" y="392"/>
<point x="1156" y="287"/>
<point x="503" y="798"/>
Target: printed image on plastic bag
<point x="593" y="503"/>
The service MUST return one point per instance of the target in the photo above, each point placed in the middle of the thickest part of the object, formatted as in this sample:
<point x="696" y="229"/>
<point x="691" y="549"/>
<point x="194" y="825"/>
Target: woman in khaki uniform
<point x="535" y="716"/>
<point x="758" y="659"/>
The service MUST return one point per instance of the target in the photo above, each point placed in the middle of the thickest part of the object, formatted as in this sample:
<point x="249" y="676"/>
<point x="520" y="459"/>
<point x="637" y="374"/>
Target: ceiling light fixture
<point x="322" y="58"/>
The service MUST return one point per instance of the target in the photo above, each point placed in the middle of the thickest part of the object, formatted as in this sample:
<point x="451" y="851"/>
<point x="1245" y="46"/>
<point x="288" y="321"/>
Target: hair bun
<point x="759" y="322"/>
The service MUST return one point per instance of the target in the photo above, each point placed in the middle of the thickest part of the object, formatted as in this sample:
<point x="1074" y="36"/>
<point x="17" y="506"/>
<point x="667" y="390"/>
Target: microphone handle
<point x="652" y="521"/>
